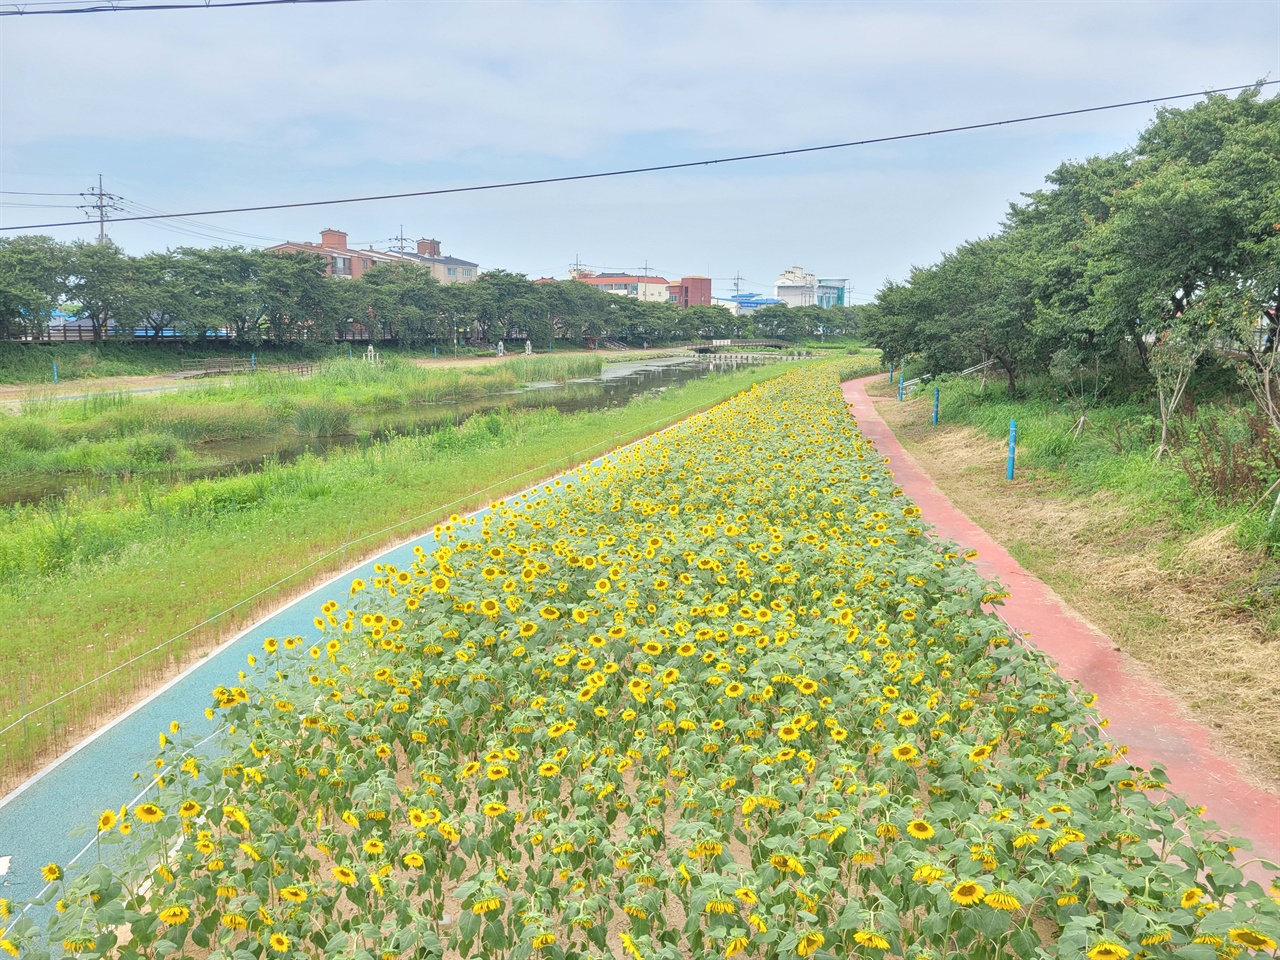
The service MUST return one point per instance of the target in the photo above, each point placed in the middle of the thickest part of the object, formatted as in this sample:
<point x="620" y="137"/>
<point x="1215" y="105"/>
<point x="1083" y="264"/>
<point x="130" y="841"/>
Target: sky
<point x="197" y="109"/>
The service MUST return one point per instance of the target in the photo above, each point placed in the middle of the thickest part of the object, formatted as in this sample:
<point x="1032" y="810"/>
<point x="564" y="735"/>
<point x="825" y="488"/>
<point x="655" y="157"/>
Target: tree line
<point x="254" y="296"/>
<point x="1145" y="260"/>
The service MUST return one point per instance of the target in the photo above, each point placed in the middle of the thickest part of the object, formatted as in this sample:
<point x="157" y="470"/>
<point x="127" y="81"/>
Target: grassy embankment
<point x="119" y="434"/>
<point x="848" y="346"/>
<point x="1169" y="558"/>
<point x="33" y="364"/>
<point x="143" y="563"/>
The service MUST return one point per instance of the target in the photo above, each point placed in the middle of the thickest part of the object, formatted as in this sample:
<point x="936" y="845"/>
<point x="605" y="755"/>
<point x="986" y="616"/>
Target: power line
<point x="987" y="125"/>
<point x="201" y="229"/>
<point x="35" y="8"/>
<point x="102" y="202"/>
<point x="34" y="193"/>
<point x="42" y="206"/>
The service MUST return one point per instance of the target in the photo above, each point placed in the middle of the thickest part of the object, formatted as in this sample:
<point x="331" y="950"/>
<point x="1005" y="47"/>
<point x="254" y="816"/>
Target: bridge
<point x="730" y="346"/>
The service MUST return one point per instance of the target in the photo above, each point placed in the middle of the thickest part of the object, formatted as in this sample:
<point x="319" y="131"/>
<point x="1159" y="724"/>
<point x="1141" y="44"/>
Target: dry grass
<point x="1163" y="600"/>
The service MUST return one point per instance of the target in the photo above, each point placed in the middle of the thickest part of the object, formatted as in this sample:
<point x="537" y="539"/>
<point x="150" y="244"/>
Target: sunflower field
<point x="717" y="696"/>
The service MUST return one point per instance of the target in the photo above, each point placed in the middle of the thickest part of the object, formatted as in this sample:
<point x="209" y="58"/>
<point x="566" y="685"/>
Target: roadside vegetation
<point x="680" y="705"/>
<point x="99" y="578"/>
<point x="1129" y="310"/>
<point x="87" y="363"/>
<point x="1176" y="560"/>
<point x="104" y="438"/>
<point x="1221" y="461"/>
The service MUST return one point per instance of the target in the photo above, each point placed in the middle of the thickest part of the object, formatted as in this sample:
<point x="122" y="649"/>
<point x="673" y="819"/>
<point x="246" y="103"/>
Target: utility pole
<point x="737" y="284"/>
<point x="100" y="204"/>
<point x="402" y="242"/>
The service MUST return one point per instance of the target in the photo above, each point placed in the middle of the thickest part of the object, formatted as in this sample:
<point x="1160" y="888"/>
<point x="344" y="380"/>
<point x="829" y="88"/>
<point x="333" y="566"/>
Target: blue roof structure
<point x="751" y="301"/>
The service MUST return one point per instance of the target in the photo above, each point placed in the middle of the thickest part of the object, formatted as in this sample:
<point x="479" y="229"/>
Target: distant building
<point x="690" y="292"/>
<point x="796" y="288"/>
<point x="831" y="292"/>
<point x="743" y="303"/>
<point x="352" y="264"/>
<point x="343" y="261"/>
<point x="651" y="289"/>
<point x="445" y="269"/>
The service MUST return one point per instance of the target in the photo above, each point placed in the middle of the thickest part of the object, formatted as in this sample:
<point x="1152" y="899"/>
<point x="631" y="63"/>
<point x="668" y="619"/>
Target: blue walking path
<point x="52" y="817"/>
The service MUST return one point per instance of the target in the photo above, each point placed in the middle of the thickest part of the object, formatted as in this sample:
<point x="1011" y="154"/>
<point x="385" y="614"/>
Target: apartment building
<point x="352" y="264"/>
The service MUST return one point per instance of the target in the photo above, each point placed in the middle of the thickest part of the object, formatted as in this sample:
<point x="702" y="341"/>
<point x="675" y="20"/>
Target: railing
<point x="215" y="366"/>
<point x="207" y="366"/>
<point x="911" y="384"/>
<point x="714" y="346"/>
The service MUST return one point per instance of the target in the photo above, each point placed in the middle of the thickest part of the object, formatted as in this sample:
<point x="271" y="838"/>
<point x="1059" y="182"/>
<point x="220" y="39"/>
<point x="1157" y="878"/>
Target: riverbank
<point x="192" y="569"/>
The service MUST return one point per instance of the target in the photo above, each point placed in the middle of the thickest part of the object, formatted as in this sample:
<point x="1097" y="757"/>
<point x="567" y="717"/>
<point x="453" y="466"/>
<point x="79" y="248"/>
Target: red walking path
<point x="1144" y="714"/>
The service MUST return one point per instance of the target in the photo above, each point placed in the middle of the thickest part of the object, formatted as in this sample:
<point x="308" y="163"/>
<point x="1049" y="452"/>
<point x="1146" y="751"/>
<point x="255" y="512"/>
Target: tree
<point x="405" y="302"/>
<point x="32" y="270"/>
<point x="97" y="282"/>
<point x="1057" y="231"/>
<point x="157" y="296"/>
<point x="299" y="301"/>
<point x="226" y="290"/>
<point x="576" y="309"/>
<point x="973" y="306"/>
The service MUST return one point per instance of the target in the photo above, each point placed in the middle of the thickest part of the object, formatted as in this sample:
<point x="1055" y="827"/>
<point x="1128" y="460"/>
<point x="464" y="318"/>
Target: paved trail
<point x="43" y="820"/>
<point x="1144" y="714"/>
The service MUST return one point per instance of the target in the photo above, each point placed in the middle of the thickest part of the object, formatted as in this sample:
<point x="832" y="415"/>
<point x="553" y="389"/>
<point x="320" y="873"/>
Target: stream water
<point x="618" y="384"/>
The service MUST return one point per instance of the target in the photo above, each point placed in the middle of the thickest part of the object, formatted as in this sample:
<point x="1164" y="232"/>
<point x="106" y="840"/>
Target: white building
<point x="651" y="289"/>
<point x="796" y="288"/>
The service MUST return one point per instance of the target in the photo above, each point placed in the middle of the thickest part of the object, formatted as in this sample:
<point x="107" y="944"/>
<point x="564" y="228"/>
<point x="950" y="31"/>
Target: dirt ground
<point x="1181" y="608"/>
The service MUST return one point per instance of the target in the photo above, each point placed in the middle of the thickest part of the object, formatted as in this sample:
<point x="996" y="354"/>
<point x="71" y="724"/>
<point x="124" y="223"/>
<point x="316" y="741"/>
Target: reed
<point x="554" y="367"/>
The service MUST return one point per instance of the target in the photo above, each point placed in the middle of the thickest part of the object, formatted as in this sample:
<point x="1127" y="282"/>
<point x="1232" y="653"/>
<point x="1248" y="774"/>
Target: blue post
<point x="253" y="363"/>
<point x="348" y="351"/>
<point x="891" y="371"/>
<point x="1013" y="443"/>
<point x="435" y="353"/>
<point x="899" y="387"/>
<point x="935" y="406"/>
<point x="55" y="371"/>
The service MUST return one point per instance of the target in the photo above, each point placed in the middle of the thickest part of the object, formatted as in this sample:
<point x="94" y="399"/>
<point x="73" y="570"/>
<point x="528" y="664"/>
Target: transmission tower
<point x="100" y="203"/>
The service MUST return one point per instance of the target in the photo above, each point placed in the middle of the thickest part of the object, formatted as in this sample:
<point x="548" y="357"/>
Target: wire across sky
<point x="632" y="171"/>
<point x="34" y="8"/>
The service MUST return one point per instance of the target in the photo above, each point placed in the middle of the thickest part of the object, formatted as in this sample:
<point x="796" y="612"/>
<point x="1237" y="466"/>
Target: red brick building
<point x="343" y="261"/>
<point x="690" y="292"/>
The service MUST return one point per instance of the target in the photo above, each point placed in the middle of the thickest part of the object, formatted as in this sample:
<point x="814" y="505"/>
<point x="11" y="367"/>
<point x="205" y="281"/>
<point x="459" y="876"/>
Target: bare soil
<point x="1185" y="609"/>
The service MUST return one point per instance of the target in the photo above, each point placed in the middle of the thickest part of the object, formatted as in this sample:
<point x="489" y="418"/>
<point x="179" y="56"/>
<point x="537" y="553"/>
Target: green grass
<point x="114" y="433"/>
<point x="101" y="578"/>
<point x="850" y="346"/>
<point x="1114" y="450"/>
<point x="24" y="363"/>
<point x="557" y="367"/>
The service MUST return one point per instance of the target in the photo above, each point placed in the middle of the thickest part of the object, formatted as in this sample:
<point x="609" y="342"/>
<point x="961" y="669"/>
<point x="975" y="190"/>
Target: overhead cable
<point x="35" y="8"/>
<point x="795" y="151"/>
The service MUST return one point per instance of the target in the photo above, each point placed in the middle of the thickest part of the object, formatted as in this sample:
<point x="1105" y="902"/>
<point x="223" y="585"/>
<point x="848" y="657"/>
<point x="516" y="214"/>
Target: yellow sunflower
<point x="968" y="893"/>
<point x="174" y="915"/>
<point x="148" y="813"/>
